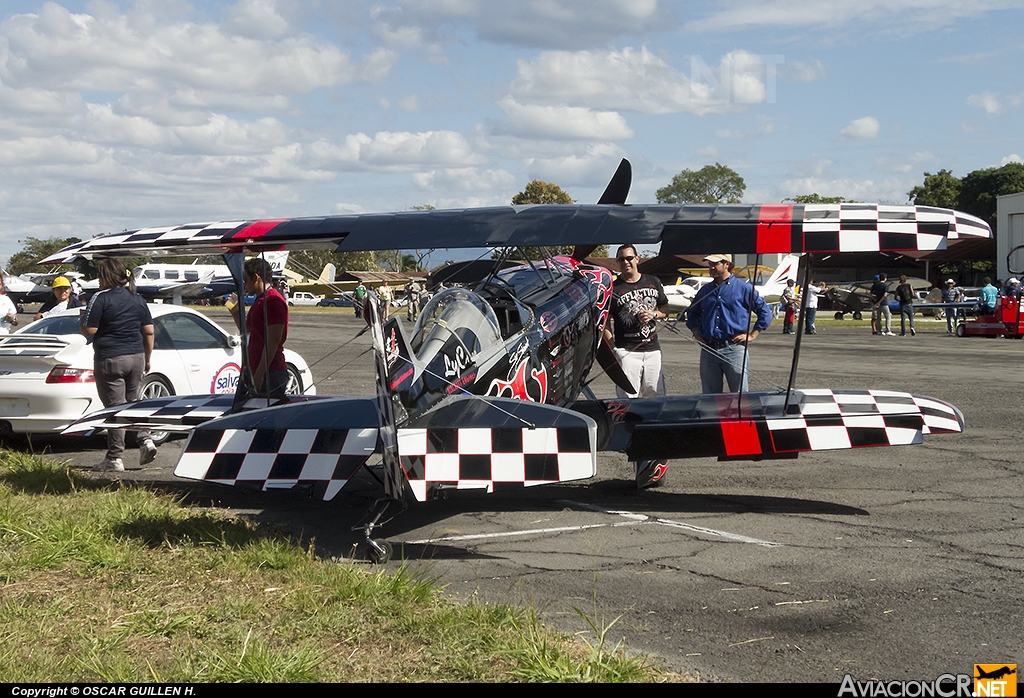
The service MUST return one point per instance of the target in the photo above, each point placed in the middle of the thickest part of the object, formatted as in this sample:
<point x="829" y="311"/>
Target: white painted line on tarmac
<point x="703" y="530"/>
<point x="528" y="532"/>
<point x="633" y="519"/>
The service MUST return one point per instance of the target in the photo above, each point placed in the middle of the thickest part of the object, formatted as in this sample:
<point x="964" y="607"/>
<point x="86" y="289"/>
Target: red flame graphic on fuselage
<point x="515" y="387"/>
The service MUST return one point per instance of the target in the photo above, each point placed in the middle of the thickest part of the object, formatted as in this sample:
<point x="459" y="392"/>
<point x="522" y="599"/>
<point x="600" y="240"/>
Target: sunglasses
<point x="626" y="259"/>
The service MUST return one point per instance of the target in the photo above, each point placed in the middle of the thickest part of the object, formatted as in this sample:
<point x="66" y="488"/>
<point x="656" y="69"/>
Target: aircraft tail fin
<point x="787" y="269"/>
<point x="476" y="443"/>
<point x="328" y="274"/>
<point x="277" y="260"/>
<point x="615" y="193"/>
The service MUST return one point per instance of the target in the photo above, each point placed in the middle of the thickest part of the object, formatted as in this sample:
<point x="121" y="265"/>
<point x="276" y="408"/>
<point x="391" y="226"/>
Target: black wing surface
<point x="680" y="228"/>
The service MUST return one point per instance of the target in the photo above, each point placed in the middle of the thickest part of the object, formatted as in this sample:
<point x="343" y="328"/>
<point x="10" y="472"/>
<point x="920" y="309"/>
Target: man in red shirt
<point x="267" y="326"/>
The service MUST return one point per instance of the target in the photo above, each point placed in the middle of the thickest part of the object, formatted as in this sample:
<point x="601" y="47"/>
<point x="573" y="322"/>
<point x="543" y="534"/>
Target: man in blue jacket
<point x="719" y="318"/>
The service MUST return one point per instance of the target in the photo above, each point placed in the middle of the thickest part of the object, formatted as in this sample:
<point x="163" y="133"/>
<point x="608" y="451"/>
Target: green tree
<point x="538" y="192"/>
<point x="311" y="262"/>
<point x="35" y="249"/>
<point x="941" y="189"/>
<point x="711" y="184"/>
<point x="979" y="189"/>
<point x="818" y="199"/>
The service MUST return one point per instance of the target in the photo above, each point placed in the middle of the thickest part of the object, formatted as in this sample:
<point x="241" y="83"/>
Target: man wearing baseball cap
<point x="719" y="318"/>
<point x="63" y="299"/>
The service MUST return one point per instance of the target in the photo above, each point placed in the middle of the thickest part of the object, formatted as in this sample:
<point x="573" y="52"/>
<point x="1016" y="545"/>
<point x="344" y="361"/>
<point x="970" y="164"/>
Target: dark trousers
<point x="118" y="380"/>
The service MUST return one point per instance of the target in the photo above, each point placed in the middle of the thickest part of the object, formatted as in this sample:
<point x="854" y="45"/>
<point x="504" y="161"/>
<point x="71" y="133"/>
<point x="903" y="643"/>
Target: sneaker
<point x="147" y="452"/>
<point x="649" y="473"/>
<point x="115" y="464"/>
<point x="890" y="334"/>
<point x="913" y="332"/>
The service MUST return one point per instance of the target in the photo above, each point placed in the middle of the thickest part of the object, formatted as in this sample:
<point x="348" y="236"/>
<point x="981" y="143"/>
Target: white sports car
<point x="46" y="377"/>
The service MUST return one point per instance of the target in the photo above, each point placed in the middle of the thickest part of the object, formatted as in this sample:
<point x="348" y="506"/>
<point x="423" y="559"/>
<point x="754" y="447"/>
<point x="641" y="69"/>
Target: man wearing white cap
<point x="719" y="318"/>
<point x="952" y="294"/>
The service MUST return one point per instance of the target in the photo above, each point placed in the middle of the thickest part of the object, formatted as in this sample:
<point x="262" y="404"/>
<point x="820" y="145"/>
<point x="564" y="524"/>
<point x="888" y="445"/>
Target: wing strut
<point x="807" y="259"/>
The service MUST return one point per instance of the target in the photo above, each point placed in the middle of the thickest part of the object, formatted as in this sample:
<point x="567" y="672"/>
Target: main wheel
<point x="294" y="386"/>
<point x="960" y="331"/>
<point x="838" y="315"/>
<point x="857" y="315"/>
<point x="379" y="551"/>
<point x="155" y="386"/>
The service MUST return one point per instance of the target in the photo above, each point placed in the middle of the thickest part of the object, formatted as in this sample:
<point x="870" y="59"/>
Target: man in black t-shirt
<point x="638" y="301"/>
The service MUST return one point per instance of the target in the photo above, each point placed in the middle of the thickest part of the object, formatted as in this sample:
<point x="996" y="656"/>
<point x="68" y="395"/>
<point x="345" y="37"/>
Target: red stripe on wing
<point x="774" y="227"/>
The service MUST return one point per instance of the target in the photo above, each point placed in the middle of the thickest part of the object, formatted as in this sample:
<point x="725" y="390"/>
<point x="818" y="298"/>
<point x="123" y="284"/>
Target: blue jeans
<point x="906" y="311"/>
<point x="809" y="316"/>
<point x="731" y="361"/>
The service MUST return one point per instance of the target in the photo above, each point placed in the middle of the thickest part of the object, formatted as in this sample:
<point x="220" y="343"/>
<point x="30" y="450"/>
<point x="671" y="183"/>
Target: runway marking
<point x="633" y="519"/>
<point x="676" y="524"/>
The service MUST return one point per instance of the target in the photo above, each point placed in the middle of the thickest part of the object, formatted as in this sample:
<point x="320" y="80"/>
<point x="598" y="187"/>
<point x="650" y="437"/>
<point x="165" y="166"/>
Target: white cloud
<point x="395" y="152"/>
<point x="987" y="101"/>
<point x="890" y="190"/>
<point x="569" y="24"/>
<point x="798" y="71"/>
<point x="861" y="129"/>
<point x="466" y="180"/>
<point x="587" y="167"/>
<point x="1010" y="158"/>
<point x="908" y="16"/>
<point x="258" y="19"/>
<point x="560" y="122"/>
<point x="638" y="80"/>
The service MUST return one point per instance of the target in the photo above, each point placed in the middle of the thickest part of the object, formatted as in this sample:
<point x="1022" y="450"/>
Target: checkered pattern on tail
<point x="322" y="459"/>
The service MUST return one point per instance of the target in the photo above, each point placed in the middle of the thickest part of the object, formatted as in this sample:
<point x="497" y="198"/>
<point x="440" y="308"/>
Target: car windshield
<point x="61" y="324"/>
<point x="455" y="313"/>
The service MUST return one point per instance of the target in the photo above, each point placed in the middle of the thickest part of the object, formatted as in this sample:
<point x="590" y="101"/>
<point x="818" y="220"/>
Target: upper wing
<point x="682" y="229"/>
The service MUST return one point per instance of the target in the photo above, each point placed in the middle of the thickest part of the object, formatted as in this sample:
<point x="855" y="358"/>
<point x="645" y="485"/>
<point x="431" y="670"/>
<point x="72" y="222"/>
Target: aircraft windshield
<point x="455" y="313"/>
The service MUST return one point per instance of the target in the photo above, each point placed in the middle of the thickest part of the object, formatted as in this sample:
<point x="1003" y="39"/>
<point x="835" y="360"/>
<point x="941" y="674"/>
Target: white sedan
<point x="46" y="376"/>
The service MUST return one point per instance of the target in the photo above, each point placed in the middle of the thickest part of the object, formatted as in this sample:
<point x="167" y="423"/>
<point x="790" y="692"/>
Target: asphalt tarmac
<point x="890" y="563"/>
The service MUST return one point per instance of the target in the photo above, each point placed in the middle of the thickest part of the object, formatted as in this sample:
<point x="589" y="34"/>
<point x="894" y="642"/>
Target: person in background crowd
<point x="881" y="316"/>
<point x="905" y="295"/>
<point x="810" y="310"/>
<point x="63" y="299"/>
<point x="952" y="294"/>
<point x="788" y="303"/>
<point x="989" y="297"/>
<point x="118" y="322"/>
<point x="8" y="310"/>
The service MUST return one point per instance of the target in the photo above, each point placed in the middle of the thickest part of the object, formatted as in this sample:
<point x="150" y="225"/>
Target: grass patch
<point x="102" y="581"/>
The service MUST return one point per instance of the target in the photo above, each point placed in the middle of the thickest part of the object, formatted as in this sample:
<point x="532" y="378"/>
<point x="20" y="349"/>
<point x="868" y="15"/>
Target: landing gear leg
<point x="378" y="552"/>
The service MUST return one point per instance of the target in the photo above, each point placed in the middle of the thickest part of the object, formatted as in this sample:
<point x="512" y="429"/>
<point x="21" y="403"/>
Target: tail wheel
<point x="152" y="387"/>
<point x="294" y="386"/>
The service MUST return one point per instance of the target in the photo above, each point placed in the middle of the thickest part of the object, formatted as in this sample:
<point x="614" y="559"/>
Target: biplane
<point x="490" y="390"/>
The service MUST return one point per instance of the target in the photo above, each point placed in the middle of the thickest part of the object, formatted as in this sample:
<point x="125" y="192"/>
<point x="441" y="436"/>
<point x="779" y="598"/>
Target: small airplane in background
<point x="680" y="296"/>
<point x="491" y="390"/>
<point x="36" y="287"/>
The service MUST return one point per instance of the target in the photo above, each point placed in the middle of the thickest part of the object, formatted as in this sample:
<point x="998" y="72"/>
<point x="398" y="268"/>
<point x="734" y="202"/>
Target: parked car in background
<point x="304" y="298"/>
<point x="46" y="368"/>
<point x="345" y="300"/>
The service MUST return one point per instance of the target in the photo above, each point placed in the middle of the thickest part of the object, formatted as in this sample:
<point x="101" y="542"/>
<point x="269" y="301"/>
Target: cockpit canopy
<point x="455" y="314"/>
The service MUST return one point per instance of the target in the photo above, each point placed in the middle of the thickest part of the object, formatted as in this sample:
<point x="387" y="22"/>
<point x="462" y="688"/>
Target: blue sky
<point x="118" y="115"/>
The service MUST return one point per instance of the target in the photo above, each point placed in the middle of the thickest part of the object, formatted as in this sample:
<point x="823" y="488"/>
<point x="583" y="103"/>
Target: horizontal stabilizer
<point x="318" y="444"/>
<point x="753" y="425"/>
<point x="177" y="414"/>
<point x="494" y="444"/>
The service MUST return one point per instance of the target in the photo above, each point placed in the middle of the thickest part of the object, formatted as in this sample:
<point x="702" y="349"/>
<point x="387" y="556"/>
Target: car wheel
<point x="294" y="386"/>
<point x="960" y="331"/>
<point x="152" y="387"/>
